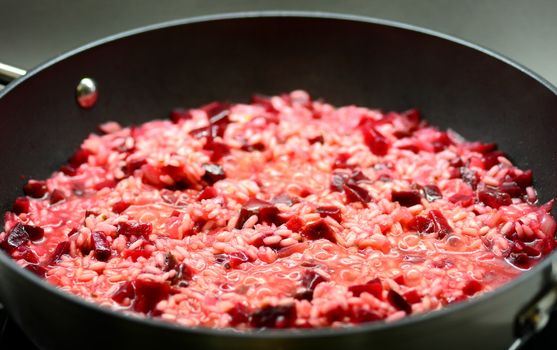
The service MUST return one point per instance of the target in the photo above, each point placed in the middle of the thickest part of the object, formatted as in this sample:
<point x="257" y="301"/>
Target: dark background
<point x="32" y="31"/>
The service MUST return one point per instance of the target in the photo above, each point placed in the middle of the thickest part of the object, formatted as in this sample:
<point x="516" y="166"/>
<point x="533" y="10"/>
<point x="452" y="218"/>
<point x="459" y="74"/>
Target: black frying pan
<point x="344" y="59"/>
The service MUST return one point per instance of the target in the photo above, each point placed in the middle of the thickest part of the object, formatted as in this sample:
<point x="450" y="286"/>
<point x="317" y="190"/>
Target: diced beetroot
<point x="61" y="249"/>
<point x="68" y="170"/>
<point x="26" y="253"/>
<point x="399" y="279"/>
<point x="373" y="287"/>
<point x="239" y="314"/>
<point x="413" y="116"/>
<point x="260" y="147"/>
<point x="35" y="232"/>
<point x="355" y="193"/>
<point x="57" y="196"/>
<point x="319" y="229"/>
<point x="399" y="302"/>
<point x="178" y="114"/>
<point x="341" y="162"/>
<point x="104" y="183"/>
<point x="207" y="193"/>
<point x="407" y="198"/>
<point x="494" y="198"/>
<point x="358" y="176"/>
<point x="525" y="179"/>
<point x="134" y="254"/>
<point x="134" y="228"/>
<point x="412" y="296"/>
<point x="317" y="139"/>
<point x="469" y="177"/>
<point x="520" y="260"/>
<point x="21" y="205"/>
<point x="440" y="224"/>
<point x="218" y="150"/>
<point x="482" y="147"/>
<point x="100" y="246"/>
<point x="265" y="211"/>
<point x="375" y="141"/>
<point x="295" y="224"/>
<point x="37" y="270"/>
<point x="464" y="200"/>
<point x="421" y="224"/>
<point x="79" y="157"/>
<point x="215" y="111"/>
<point x="132" y="165"/>
<point x="263" y="101"/>
<point x="472" y="287"/>
<point x="213" y="173"/>
<point x="491" y="159"/>
<point x="148" y="294"/>
<point x="511" y="188"/>
<point x="184" y="274"/>
<point x="237" y="258"/>
<point x="443" y="141"/>
<point x="311" y="278"/>
<point x="330" y="210"/>
<point x="432" y="193"/>
<point x="335" y="314"/>
<point x="282" y="316"/>
<point x="337" y="182"/>
<point x="35" y="189"/>
<point x="17" y="237"/>
<point x="120" y="207"/>
<point x="126" y="290"/>
<point x="360" y="315"/>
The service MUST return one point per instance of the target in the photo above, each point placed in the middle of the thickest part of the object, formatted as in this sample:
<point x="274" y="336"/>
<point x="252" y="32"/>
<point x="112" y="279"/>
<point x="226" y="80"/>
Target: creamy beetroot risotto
<point x="286" y="212"/>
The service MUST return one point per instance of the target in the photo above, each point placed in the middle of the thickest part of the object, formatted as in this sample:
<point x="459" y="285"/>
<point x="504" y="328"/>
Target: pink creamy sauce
<point x="286" y="212"/>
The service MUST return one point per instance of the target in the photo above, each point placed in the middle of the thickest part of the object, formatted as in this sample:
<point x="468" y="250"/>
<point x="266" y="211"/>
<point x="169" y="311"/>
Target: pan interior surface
<point x="141" y="77"/>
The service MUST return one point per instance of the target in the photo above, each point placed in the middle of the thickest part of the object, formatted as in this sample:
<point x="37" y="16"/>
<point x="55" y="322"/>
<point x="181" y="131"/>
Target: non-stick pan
<point x="141" y="74"/>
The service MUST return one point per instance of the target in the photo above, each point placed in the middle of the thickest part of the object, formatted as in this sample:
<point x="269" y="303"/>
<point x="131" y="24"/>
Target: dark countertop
<point x="32" y="31"/>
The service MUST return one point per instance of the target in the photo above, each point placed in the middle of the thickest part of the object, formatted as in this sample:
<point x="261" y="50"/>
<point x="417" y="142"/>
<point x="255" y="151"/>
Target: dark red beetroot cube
<point x="432" y="193"/>
<point x="311" y="278"/>
<point x="355" y="193"/>
<point x="407" y="198"/>
<point x="412" y="296"/>
<point x="358" y="176"/>
<point x="35" y="189"/>
<point x="295" y="224"/>
<point x="148" y="294"/>
<point x="21" y="205"/>
<point x="472" y="287"/>
<point x="469" y="177"/>
<point x="134" y="228"/>
<point x="373" y="287"/>
<point x="331" y="211"/>
<point x="464" y="200"/>
<point x="17" y="237"/>
<point x="120" y="206"/>
<point x="263" y="101"/>
<point x="79" y="157"/>
<point x="520" y="260"/>
<point x="421" y="224"/>
<point x="319" y="229"/>
<point x="260" y="147"/>
<point x="443" y="141"/>
<point x="400" y="280"/>
<point x="207" y="193"/>
<point x="265" y="211"/>
<point x="413" y="116"/>
<point x="317" y="139"/>
<point x="482" y="147"/>
<point x="100" y="246"/>
<point x="26" y="253"/>
<point x="239" y="314"/>
<point x="399" y="302"/>
<point x="104" y="183"/>
<point x="511" y="188"/>
<point x="213" y="173"/>
<point x="35" y="232"/>
<point x="61" y="249"/>
<point x="491" y="159"/>
<point x="218" y="150"/>
<point x="135" y="254"/>
<point x="525" y="179"/>
<point x="282" y="316"/>
<point x="341" y="162"/>
<point x="215" y="111"/>
<point x="57" y="196"/>
<point x="37" y="270"/>
<point x="68" y="170"/>
<point x="178" y="114"/>
<point x="126" y="290"/>
<point x="238" y="258"/>
<point x="494" y="198"/>
<point x="184" y="274"/>
<point x="440" y="224"/>
<point x="375" y="141"/>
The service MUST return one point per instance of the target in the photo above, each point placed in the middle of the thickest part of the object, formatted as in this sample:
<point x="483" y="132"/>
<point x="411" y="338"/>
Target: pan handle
<point x="535" y="316"/>
<point x="9" y="73"/>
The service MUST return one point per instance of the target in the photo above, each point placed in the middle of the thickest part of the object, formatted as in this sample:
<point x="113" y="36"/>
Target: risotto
<point x="283" y="213"/>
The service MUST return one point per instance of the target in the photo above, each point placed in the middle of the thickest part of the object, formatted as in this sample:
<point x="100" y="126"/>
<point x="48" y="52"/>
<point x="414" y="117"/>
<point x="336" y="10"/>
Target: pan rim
<point x="291" y="333"/>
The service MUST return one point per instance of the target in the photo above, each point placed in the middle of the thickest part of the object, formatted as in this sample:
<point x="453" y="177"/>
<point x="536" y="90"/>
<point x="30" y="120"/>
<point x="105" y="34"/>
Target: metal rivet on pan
<point x="86" y="93"/>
